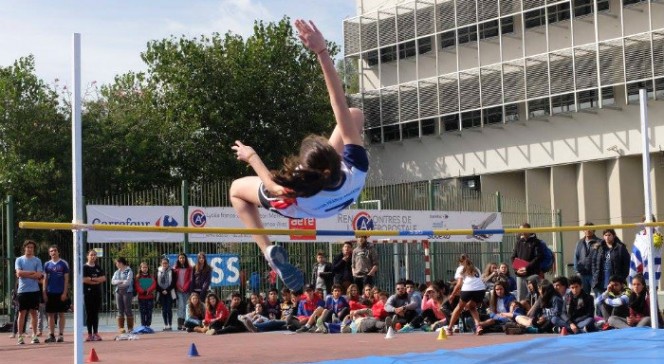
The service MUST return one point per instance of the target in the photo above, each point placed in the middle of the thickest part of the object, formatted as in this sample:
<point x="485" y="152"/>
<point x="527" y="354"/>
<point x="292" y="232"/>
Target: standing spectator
<point x="123" y="280"/>
<point x="583" y="265"/>
<point x="610" y="258"/>
<point x="145" y="285"/>
<point x="183" y="273"/>
<point x="342" y="266"/>
<point x="56" y="287"/>
<point x="614" y="302"/>
<point x="471" y="291"/>
<point x="29" y="271"/>
<point x="639" y="307"/>
<point x="527" y="249"/>
<point x="202" y="275"/>
<point x="364" y="263"/>
<point x="322" y="273"/>
<point x="641" y="253"/>
<point x="93" y="277"/>
<point x="579" y="310"/>
<point x="166" y="279"/>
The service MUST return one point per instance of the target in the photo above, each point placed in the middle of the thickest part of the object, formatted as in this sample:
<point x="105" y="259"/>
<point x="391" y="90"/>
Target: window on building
<point x="633" y="91"/>
<point x="447" y="39"/>
<point x="391" y="133"/>
<point x="424" y="45"/>
<point x="371" y="58"/>
<point x="451" y="122"/>
<point x="471" y="183"/>
<point x="511" y="113"/>
<point x="608" y="97"/>
<point x="538" y="108"/>
<point x="587" y="99"/>
<point x="629" y="2"/>
<point x="507" y="25"/>
<point x="562" y="103"/>
<point x="493" y="115"/>
<point x="489" y="29"/>
<point x="558" y="12"/>
<point x="534" y="18"/>
<point x="467" y="34"/>
<point x="410" y="130"/>
<point x="585" y="7"/>
<point x="407" y="49"/>
<point x="471" y="119"/>
<point x="428" y="126"/>
<point x="388" y="54"/>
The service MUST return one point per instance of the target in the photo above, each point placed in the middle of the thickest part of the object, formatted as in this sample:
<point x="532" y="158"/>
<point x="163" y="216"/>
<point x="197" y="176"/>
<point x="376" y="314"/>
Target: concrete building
<point x="535" y="99"/>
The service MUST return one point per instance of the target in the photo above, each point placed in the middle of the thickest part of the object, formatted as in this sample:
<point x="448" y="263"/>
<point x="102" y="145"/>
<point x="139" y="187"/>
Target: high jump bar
<point x="37" y="225"/>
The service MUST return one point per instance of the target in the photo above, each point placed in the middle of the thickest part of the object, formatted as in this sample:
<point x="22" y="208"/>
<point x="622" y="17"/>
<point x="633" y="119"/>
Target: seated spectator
<point x="561" y="285"/>
<point x="353" y="298"/>
<point x="322" y="275"/>
<point x="272" y="306"/>
<point x="639" y="307"/>
<point x="367" y="297"/>
<point x="237" y="308"/>
<point x="533" y="294"/>
<point x="195" y="314"/>
<point x="547" y="310"/>
<point x="578" y="312"/>
<point x="378" y="308"/>
<point x="504" y="270"/>
<point x="614" y="302"/>
<point x="396" y="306"/>
<point x="254" y="299"/>
<point x="491" y="275"/>
<point x="499" y="311"/>
<point x="432" y="315"/>
<point x="335" y="306"/>
<point x="309" y="309"/>
<point x="216" y="314"/>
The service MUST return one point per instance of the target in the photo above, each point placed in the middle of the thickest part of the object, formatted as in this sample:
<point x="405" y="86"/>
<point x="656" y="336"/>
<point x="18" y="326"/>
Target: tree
<point x="35" y="148"/>
<point x="347" y="69"/>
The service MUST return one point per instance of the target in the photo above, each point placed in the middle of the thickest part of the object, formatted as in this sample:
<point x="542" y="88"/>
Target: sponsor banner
<point x="350" y="220"/>
<point x="225" y="267"/>
<point x="134" y="216"/>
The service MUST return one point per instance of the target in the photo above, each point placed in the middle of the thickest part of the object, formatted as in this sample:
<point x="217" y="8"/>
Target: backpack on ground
<point x="548" y="259"/>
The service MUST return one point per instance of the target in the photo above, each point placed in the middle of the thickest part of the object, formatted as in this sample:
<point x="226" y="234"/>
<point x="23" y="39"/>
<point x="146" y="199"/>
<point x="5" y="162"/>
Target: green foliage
<point x="135" y="253"/>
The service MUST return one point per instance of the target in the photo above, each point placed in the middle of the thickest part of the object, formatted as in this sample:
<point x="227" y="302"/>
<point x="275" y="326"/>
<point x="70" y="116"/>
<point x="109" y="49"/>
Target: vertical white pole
<point x="77" y="197"/>
<point x="643" y="95"/>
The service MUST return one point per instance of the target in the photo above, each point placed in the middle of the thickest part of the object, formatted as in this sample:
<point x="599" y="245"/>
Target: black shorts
<point x="55" y="305"/>
<point x="475" y="296"/>
<point x="28" y="300"/>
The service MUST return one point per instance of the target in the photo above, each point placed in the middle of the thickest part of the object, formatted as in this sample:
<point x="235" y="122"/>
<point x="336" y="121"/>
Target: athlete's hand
<point x="310" y="36"/>
<point x="243" y="152"/>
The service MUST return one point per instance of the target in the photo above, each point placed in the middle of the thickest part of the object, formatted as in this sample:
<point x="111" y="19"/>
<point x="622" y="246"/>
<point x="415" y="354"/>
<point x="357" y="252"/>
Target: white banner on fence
<point x="349" y="220"/>
<point x="134" y="216"/>
<point x="225" y="217"/>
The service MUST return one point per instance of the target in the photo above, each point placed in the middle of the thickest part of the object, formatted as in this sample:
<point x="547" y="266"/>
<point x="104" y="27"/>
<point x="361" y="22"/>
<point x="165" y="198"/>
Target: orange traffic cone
<point x="563" y="332"/>
<point x="92" y="358"/>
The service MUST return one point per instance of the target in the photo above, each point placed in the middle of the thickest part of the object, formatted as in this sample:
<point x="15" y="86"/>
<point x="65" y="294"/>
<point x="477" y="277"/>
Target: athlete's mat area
<point x="633" y="345"/>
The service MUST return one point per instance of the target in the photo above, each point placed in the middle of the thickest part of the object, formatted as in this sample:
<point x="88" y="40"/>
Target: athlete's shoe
<point x="21" y="340"/>
<point x="277" y="257"/>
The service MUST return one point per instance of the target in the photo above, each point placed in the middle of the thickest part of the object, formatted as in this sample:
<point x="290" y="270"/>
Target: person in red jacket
<point x="145" y="286"/>
<point x="183" y="274"/>
<point x="216" y="314"/>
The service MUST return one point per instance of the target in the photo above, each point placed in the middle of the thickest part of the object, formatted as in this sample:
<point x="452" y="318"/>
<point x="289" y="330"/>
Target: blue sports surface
<point x="633" y="345"/>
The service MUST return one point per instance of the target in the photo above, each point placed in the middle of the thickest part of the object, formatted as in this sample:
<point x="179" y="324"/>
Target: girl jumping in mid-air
<point x="326" y="177"/>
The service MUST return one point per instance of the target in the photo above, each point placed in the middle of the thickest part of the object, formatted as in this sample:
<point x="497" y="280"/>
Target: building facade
<point x="536" y="99"/>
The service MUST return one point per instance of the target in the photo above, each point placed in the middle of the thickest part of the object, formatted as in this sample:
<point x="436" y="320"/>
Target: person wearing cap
<point x="364" y="263"/>
<point x="311" y="306"/>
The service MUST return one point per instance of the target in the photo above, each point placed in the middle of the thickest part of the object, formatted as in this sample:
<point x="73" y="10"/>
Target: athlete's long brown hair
<point x="316" y="167"/>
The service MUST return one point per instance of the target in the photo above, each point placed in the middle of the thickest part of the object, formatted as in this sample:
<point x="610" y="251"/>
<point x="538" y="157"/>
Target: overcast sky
<point x="115" y="32"/>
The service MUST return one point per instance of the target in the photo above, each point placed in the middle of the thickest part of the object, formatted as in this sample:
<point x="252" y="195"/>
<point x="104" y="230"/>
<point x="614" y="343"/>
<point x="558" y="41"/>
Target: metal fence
<point x="397" y="260"/>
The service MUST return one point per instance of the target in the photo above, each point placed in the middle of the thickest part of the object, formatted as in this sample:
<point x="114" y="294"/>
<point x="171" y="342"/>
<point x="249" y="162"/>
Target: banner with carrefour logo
<point x="349" y="220"/>
<point x="134" y="216"/>
<point x="225" y="267"/>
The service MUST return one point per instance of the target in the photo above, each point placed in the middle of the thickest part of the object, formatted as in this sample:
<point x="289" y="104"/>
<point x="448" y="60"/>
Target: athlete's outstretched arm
<point x="248" y="155"/>
<point x="313" y="39"/>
